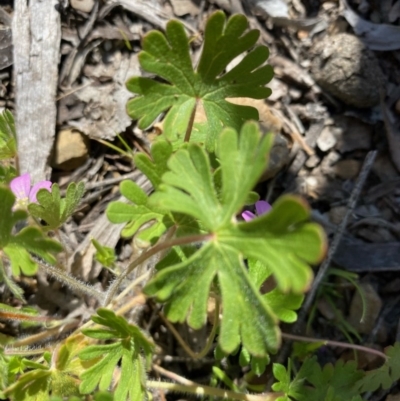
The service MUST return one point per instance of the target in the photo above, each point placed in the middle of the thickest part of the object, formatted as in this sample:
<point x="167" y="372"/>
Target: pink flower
<point x="21" y="188"/>
<point x="262" y="207"/>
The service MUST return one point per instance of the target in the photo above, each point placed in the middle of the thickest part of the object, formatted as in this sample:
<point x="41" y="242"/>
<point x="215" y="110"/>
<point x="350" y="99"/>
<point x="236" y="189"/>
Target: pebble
<point x="71" y="149"/>
<point x="343" y="66"/>
<point x="327" y="139"/>
<point x="84" y="6"/>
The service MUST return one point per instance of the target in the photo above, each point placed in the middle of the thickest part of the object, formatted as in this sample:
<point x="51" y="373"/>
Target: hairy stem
<point x="202" y="391"/>
<point x="25" y="352"/>
<point x="335" y="344"/>
<point x="187" y="386"/>
<point x="45" y="335"/>
<point x="148" y="254"/>
<point x="69" y="280"/>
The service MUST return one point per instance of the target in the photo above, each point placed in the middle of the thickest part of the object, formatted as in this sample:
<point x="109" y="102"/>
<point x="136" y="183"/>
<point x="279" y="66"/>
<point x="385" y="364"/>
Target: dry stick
<point x="368" y="162"/>
<point x="338" y="344"/>
<point x="190" y="387"/>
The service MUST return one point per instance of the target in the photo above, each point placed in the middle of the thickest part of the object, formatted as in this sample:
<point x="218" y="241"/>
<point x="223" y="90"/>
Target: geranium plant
<point x="211" y="247"/>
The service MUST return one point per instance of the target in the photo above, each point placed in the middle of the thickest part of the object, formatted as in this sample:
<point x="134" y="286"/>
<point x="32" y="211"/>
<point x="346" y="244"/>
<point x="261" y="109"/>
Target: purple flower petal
<point x="247" y="215"/>
<point x="262" y="207"/>
<point x="21" y="185"/>
<point x="36" y="187"/>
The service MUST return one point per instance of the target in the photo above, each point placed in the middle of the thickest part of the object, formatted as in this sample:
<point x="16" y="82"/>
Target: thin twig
<point x="190" y="387"/>
<point x="366" y="168"/>
<point x="332" y="343"/>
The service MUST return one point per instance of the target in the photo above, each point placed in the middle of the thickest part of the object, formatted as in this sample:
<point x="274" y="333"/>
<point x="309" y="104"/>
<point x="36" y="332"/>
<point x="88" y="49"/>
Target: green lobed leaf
<point x="53" y="209"/>
<point x="57" y="376"/>
<point x="104" y="254"/>
<point x="31" y="386"/>
<point x="188" y="188"/>
<point x="155" y="166"/>
<point x="30" y="239"/>
<point x="127" y="351"/>
<point x="385" y="375"/>
<point x="8" y="136"/>
<point x="137" y="214"/>
<point x="185" y="89"/>
<point x="7" y="173"/>
<point x="15" y="289"/>
<point x="283" y="304"/>
<point x="332" y="382"/>
<point x="9" y="217"/>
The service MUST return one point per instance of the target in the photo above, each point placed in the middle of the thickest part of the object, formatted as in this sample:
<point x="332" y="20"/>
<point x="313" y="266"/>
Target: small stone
<point x="337" y="213"/>
<point x="343" y="66"/>
<point x="327" y="139"/>
<point x="184" y="7"/>
<point x="84" y="6"/>
<point x="312" y="161"/>
<point x="373" y="308"/>
<point x="347" y="169"/>
<point x="71" y="150"/>
<point x="326" y="167"/>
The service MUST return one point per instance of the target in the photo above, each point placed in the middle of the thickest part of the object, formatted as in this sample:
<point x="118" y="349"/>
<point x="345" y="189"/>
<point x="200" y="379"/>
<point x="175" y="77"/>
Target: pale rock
<point x="84" y="6"/>
<point x="327" y="139"/>
<point x="343" y="66"/>
<point x="184" y="7"/>
<point x="71" y="149"/>
<point x="313" y="161"/>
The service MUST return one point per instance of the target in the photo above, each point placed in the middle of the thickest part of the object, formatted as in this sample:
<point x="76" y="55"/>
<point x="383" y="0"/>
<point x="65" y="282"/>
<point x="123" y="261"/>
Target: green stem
<point x="148" y="254"/>
<point x="331" y="343"/>
<point x="191" y="122"/>
<point x="116" y="148"/>
<point x="202" y="391"/>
